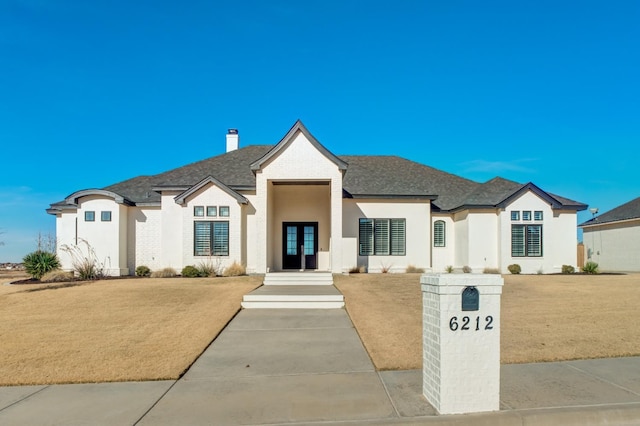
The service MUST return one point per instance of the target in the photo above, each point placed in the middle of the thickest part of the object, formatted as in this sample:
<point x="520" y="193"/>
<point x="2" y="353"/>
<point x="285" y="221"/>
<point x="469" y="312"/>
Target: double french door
<point x="300" y="245"/>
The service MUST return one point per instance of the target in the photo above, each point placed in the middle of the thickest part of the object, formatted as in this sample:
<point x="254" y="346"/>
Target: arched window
<point x="439" y="234"/>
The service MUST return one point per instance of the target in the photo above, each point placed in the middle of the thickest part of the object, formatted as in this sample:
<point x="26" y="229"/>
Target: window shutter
<point x="534" y="240"/>
<point x="366" y="237"/>
<point x="220" y="238"/>
<point x="381" y="233"/>
<point x="438" y="234"/>
<point x="517" y="240"/>
<point x="398" y="237"/>
<point x="202" y="239"/>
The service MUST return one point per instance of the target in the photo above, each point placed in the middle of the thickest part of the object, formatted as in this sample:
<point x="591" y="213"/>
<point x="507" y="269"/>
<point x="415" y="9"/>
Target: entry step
<point x="298" y="278"/>
<point x="294" y="297"/>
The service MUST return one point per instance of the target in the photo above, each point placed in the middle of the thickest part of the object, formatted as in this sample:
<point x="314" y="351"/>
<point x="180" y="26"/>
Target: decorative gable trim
<point x="555" y="204"/>
<point x="73" y="198"/>
<point x="280" y="146"/>
<point x="181" y="198"/>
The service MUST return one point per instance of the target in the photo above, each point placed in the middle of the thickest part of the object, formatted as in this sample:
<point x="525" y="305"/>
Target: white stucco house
<point x="296" y="205"/>
<point x="612" y="240"/>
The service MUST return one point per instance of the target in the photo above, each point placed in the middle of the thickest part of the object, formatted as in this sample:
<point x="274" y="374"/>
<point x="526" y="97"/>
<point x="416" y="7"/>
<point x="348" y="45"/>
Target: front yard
<point x="112" y="330"/>
<point x="544" y="317"/>
<point x="153" y="329"/>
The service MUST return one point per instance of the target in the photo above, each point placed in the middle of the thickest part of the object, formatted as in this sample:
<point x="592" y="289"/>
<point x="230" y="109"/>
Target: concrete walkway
<point x="299" y="366"/>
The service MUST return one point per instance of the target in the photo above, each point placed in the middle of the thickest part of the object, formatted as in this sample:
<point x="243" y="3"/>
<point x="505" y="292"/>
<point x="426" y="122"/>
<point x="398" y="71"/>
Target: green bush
<point x="590" y="268"/>
<point x="491" y="271"/>
<point x="514" y="269"/>
<point x="449" y="269"/>
<point x="40" y="262"/>
<point x="568" y="269"/>
<point x="190" y="271"/>
<point x="143" y="271"/>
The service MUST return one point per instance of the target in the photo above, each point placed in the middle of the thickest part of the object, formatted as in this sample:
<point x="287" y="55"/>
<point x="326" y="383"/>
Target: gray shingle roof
<point x="366" y="175"/>
<point x="630" y="210"/>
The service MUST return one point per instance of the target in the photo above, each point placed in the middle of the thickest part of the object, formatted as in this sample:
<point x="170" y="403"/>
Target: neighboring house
<point x="612" y="240"/>
<point x="295" y="205"/>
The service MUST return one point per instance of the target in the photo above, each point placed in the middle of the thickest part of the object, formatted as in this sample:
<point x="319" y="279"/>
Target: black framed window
<point x="537" y="215"/>
<point x="212" y="211"/>
<point x="89" y="216"/>
<point x="515" y="215"/>
<point x="380" y="237"/>
<point x="211" y="238"/>
<point x="526" y="240"/>
<point x="105" y="216"/>
<point x="439" y="233"/>
<point x="198" y="211"/>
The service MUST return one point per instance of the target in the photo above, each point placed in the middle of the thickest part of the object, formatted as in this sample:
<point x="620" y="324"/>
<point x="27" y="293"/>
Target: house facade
<point x="297" y="206"/>
<point x="612" y="240"/>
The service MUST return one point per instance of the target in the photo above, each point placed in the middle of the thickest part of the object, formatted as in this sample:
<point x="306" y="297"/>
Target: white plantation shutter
<point x="366" y="237"/>
<point x="381" y="232"/>
<point x="517" y="240"/>
<point x="202" y="239"/>
<point x="220" y="238"/>
<point x="398" y="237"/>
<point x="534" y="240"/>
<point x="438" y="234"/>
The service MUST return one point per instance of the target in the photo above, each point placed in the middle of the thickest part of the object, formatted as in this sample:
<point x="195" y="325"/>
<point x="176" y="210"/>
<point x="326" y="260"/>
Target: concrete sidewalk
<point x="299" y="366"/>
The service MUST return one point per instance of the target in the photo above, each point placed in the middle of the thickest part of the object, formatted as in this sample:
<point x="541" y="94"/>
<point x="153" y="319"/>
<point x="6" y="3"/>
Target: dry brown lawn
<point x="112" y="330"/>
<point x="544" y="317"/>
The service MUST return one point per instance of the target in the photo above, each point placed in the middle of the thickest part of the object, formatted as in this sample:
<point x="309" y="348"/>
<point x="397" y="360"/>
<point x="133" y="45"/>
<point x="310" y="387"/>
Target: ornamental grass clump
<point x="164" y="273"/>
<point x="57" y="276"/>
<point x="40" y="262"/>
<point x="235" y="270"/>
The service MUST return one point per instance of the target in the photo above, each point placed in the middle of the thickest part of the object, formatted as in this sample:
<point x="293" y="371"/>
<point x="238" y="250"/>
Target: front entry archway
<point x="299" y="245"/>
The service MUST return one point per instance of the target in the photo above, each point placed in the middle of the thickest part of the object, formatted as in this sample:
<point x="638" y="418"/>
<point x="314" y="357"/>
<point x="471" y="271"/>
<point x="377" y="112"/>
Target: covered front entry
<point x="300" y="245"/>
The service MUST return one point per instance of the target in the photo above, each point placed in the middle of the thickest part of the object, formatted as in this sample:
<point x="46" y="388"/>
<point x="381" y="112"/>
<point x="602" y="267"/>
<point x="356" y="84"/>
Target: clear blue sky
<point x="95" y="92"/>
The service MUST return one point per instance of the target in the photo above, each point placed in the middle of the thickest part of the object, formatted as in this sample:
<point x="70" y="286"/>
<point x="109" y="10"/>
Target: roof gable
<point x="181" y="198"/>
<point x="285" y="142"/>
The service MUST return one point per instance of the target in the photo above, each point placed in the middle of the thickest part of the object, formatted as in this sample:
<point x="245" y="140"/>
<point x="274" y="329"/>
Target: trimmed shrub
<point x="568" y="269"/>
<point x="414" y="270"/>
<point x="235" y="270"/>
<point x="164" y="273"/>
<point x="143" y="271"/>
<point x="57" y="276"/>
<point x="40" y="262"/>
<point x="466" y="269"/>
<point x="449" y="269"/>
<point x="491" y="271"/>
<point x="190" y="271"/>
<point x="514" y="269"/>
<point x="590" y="268"/>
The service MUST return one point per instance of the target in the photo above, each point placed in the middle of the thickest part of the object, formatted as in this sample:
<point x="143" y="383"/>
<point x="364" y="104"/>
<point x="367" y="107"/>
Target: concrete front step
<point x="298" y="278"/>
<point x="294" y="297"/>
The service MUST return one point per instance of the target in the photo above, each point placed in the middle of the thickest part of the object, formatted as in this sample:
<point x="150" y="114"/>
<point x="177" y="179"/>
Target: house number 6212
<point x="466" y="323"/>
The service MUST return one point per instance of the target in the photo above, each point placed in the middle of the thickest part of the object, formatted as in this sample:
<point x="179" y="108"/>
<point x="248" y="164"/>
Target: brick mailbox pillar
<point x="461" y="342"/>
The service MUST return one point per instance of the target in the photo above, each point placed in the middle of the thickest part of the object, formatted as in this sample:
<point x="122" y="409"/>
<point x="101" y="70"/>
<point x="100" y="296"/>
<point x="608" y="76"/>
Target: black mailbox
<point x="470" y="299"/>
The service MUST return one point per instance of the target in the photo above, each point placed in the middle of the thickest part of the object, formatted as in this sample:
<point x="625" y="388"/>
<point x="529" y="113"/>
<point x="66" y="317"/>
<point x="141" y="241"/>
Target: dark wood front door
<point x="299" y="245"/>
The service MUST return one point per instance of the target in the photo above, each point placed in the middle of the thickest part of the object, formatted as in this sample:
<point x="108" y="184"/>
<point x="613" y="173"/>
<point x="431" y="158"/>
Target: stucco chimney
<point x="232" y="140"/>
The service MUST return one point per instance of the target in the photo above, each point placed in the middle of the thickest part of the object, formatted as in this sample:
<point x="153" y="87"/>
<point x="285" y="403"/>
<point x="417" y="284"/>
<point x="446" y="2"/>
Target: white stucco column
<point x="461" y="342"/>
<point x="336" y="226"/>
